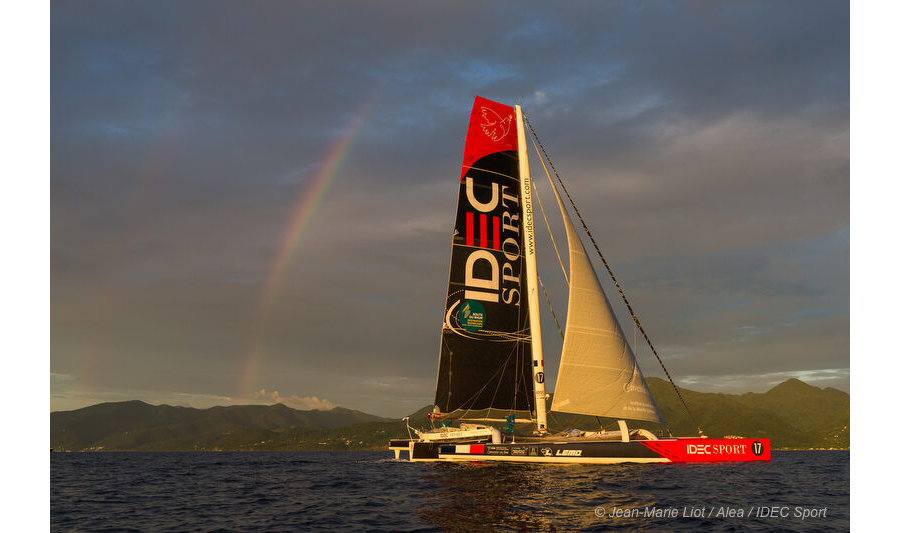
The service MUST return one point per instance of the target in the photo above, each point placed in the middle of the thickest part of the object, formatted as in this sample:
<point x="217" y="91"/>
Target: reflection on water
<point x="369" y="491"/>
<point x="506" y="496"/>
<point x="479" y="496"/>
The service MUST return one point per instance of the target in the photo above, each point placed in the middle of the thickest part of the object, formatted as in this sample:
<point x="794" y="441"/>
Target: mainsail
<point x="485" y="362"/>
<point x="598" y="374"/>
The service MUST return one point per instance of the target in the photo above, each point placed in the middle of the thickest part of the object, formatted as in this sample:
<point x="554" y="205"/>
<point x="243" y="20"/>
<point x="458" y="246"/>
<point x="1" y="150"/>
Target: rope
<point x="551" y="308"/>
<point x="558" y="257"/>
<point x="611" y="275"/>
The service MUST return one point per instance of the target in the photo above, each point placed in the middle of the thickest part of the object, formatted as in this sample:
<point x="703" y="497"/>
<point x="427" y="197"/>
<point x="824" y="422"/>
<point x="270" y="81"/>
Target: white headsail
<point x="598" y="374"/>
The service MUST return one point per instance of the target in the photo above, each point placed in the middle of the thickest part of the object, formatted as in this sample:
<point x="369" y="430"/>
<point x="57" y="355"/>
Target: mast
<point x="531" y="281"/>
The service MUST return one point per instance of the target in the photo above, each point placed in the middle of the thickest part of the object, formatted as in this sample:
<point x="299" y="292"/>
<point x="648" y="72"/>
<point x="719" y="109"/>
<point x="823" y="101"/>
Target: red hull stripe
<point x="697" y="450"/>
<point x="469" y="237"/>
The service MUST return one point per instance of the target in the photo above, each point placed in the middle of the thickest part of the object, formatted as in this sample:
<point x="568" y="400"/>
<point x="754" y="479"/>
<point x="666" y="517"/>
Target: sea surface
<point x="370" y="491"/>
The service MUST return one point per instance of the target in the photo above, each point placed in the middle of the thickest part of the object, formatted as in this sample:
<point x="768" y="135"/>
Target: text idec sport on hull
<point x="716" y="449"/>
<point x="488" y="289"/>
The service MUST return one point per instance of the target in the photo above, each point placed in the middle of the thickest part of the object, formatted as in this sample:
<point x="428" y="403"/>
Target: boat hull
<point x="675" y="450"/>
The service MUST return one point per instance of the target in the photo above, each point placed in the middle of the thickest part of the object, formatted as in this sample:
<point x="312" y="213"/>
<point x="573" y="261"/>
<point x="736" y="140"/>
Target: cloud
<point x="706" y="144"/>
<point x="297" y="402"/>
<point x="827" y="377"/>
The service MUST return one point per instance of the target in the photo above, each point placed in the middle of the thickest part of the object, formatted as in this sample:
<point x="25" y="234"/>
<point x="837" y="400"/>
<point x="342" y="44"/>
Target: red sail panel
<point x="496" y="233"/>
<point x="482" y="218"/>
<point x="492" y="128"/>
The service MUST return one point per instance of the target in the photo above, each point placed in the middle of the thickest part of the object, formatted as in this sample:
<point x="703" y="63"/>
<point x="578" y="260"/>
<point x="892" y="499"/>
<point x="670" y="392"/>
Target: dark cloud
<point x="707" y="145"/>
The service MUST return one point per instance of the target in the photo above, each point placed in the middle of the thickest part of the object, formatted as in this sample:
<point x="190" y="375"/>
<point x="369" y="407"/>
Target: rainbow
<point x="304" y="209"/>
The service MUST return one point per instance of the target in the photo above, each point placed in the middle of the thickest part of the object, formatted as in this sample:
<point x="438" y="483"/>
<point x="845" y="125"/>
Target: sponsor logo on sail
<point x="471" y="315"/>
<point x="633" y="386"/>
<point x="493" y="265"/>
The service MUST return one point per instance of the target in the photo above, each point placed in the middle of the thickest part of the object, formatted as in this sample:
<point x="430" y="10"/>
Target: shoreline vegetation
<point x="360" y="450"/>
<point x="793" y="414"/>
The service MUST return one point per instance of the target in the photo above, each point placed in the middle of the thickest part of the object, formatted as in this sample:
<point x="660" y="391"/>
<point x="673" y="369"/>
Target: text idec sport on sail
<point x="492" y="221"/>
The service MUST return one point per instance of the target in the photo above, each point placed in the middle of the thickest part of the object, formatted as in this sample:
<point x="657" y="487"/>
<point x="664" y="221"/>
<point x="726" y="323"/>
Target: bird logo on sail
<point x="495" y="126"/>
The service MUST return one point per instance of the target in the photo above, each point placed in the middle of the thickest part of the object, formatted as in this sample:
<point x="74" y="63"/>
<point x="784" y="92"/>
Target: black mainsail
<point x="485" y="368"/>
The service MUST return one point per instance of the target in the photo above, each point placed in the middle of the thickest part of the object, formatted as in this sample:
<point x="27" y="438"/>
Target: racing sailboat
<point x="491" y="366"/>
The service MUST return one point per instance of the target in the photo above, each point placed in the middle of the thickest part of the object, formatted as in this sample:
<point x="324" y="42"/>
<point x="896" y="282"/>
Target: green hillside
<point x="792" y="414"/>
<point x="135" y="425"/>
<point x="810" y="409"/>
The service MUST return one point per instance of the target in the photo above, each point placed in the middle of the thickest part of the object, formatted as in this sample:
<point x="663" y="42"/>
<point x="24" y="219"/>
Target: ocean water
<point x="370" y="491"/>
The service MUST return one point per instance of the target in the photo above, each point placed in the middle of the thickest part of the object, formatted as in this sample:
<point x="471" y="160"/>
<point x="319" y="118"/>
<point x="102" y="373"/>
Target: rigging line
<point x="546" y="297"/>
<point x="522" y="317"/>
<point x="552" y="417"/>
<point x="634" y="317"/>
<point x="449" y="374"/>
<point x="558" y="257"/>
<point x="491" y="172"/>
<point x="526" y="380"/>
<point x="471" y="400"/>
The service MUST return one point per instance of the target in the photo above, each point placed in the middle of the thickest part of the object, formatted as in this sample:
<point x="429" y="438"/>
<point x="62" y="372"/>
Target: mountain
<point x="792" y="414"/>
<point x="135" y="425"/>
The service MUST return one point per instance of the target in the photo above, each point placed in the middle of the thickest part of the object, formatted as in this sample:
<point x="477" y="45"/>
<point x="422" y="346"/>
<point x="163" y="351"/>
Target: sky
<point x="253" y="202"/>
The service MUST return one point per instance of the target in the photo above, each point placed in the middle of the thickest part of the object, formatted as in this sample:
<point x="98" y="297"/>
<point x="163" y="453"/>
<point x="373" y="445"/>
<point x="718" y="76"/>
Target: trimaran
<point x="491" y="366"/>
